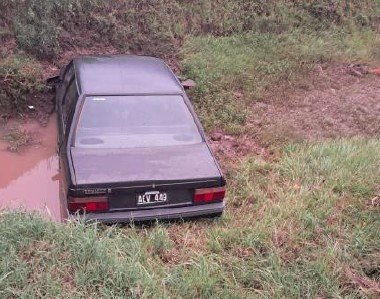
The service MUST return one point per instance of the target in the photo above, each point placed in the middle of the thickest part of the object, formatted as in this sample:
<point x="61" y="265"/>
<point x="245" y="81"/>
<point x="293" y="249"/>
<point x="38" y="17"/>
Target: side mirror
<point x="53" y="82"/>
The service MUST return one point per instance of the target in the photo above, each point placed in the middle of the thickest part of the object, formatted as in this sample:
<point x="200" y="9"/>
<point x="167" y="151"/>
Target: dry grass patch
<point x="18" y="139"/>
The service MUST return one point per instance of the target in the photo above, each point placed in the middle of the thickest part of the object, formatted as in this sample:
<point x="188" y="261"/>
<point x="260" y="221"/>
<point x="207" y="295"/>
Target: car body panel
<point x="213" y="209"/>
<point x="96" y="166"/>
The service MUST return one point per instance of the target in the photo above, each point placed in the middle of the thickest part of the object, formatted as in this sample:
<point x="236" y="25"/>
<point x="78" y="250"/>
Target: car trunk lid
<point x="143" y="165"/>
<point x="129" y="176"/>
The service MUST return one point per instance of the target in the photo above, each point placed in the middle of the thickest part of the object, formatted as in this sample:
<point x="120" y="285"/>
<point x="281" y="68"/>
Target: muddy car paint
<point x="120" y="174"/>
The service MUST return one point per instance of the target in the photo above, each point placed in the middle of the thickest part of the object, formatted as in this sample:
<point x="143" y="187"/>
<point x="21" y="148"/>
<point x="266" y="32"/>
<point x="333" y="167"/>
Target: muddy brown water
<point x="30" y="180"/>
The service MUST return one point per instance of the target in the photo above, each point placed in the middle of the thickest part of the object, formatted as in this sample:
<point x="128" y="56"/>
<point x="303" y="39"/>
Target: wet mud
<point x="30" y="180"/>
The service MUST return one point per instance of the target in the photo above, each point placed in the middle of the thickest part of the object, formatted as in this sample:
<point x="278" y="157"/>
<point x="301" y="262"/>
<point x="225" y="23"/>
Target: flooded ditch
<point x="29" y="179"/>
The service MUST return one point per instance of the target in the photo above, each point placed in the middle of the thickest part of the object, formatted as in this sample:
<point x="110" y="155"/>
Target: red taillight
<point x="207" y="195"/>
<point x="88" y="204"/>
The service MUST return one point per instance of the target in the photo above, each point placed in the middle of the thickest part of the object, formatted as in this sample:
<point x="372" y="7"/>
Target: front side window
<point x="135" y="121"/>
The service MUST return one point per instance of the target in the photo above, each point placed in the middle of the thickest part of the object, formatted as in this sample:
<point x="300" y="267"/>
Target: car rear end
<point x="136" y="148"/>
<point x="155" y="200"/>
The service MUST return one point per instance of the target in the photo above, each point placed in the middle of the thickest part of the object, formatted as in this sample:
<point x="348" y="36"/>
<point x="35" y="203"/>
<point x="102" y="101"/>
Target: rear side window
<point x="69" y="100"/>
<point x="135" y="121"/>
<point x="68" y="75"/>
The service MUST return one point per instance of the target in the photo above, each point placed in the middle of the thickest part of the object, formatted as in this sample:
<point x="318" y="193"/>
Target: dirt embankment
<point x="339" y="101"/>
<point x="335" y="101"/>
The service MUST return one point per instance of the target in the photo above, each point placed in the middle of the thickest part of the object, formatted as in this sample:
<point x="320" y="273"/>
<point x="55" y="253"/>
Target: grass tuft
<point x="19" y="139"/>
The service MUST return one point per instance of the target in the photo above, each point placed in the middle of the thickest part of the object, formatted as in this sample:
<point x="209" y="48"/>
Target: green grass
<point x="233" y="71"/>
<point x="20" y="76"/>
<point x="42" y="27"/>
<point x="304" y="226"/>
<point x="19" y="139"/>
<point x="296" y="228"/>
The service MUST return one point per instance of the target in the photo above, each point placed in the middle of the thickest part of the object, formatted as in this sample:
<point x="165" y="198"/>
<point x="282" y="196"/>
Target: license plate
<point x="151" y="197"/>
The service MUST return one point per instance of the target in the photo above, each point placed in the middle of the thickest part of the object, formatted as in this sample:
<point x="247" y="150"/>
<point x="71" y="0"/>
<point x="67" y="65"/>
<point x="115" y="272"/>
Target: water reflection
<point x="30" y="180"/>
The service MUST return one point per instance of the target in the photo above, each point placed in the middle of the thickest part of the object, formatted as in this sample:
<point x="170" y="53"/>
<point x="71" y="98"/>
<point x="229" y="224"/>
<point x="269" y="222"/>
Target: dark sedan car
<point x="130" y="144"/>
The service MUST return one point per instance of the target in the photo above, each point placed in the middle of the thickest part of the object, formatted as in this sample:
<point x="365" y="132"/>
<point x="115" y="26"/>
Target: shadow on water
<point x="30" y="180"/>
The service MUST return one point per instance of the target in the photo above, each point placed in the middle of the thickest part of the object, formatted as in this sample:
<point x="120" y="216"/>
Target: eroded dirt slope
<point x="335" y="101"/>
<point x="338" y="102"/>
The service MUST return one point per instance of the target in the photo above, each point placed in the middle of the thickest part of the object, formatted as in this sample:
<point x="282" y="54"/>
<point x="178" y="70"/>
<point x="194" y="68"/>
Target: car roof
<point x="124" y="74"/>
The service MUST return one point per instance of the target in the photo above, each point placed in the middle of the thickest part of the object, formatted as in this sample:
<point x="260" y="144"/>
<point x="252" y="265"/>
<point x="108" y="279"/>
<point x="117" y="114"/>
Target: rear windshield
<point x="135" y="121"/>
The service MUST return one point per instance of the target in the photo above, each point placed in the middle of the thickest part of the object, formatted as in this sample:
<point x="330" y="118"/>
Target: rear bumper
<point x="160" y="213"/>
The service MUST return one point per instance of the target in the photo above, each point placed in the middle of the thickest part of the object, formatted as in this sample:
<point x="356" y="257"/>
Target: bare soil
<point x="334" y="101"/>
<point x="339" y="101"/>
